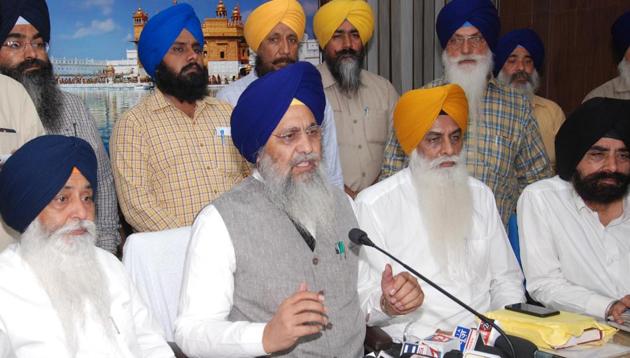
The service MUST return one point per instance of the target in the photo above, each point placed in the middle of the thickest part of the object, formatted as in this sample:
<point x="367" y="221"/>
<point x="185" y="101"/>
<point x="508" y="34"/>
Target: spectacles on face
<point x="474" y="41"/>
<point x="20" y="45"/>
<point x="601" y="156"/>
<point x="294" y="134"/>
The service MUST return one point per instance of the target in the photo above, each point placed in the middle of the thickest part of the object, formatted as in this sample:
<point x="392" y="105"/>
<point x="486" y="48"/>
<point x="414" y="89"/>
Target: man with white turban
<point x="274" y="31"/>
<point x="362" y="102"/>
<point x="438" y="219"/>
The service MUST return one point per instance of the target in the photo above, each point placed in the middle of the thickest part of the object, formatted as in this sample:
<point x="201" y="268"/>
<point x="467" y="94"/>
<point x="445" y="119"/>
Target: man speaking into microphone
<point x="439" y="220"/>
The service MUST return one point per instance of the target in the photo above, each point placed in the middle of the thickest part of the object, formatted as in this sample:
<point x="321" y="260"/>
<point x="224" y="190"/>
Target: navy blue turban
<point x="162" y="30"/>
<point x="526" y="38"/>
<point x="263" y="104"/>
<point x="35" y="173"/>
<point x="34" y="11"/>
<point x="480" y="13"/>
<point x="594" y="119"/>
<point x="621" y="33"/>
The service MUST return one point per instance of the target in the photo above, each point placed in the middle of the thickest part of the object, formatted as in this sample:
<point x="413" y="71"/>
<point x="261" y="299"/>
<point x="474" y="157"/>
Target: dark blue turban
<point x="35" y="173"/>
<point x="480" y="13"/>
<point x="34" y="11"/>
<point x="621" y="33"/>
<point x="262" y="105"/>
<point x="526" y="38"/>
<point x="162" y="30"/>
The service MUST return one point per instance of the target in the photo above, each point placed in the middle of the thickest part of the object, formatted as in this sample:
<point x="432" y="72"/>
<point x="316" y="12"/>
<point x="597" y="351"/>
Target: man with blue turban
<point x="269" y="268"/>
<point x="173" y="153"/>
<point x="618" y="87"/>
<point x="518" y="60"/>
<point x="503" y="146"/>
<point x="62" y="296"/>
<point x="24" y="39"/>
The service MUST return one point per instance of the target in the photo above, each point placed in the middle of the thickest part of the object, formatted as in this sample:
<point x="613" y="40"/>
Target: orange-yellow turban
<point x="265" y="17"/>
<point x="416" y="111"/>
<point x="330" y="16"/>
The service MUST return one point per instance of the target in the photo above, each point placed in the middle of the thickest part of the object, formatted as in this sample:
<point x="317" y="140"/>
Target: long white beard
<point x="67" y="268"/>
<point x="529" y="88"/>
<point x="624" y="70"/>
<point x="446" y="207"/>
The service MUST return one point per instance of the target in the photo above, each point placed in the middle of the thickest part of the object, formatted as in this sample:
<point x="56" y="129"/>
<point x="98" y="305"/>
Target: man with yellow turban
<point x="438" y="219"/>
<point x="362" y="101"/>
<point x="274" y="31"/>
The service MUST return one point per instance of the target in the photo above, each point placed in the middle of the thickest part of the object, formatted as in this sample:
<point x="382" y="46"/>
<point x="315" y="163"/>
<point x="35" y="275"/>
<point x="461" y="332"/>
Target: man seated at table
<point x="269" y="268"/>
<point x="574" y="228"/>
<point x="60" y="295"/>
<point x="438" y="219"/>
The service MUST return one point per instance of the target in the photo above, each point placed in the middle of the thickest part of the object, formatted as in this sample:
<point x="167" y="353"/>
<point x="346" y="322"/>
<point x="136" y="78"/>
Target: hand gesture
<point x="401" y="293"/>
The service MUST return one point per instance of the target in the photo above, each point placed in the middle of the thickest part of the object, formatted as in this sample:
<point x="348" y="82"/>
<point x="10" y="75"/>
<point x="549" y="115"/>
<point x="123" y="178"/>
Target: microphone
<point x="360" y="237"/>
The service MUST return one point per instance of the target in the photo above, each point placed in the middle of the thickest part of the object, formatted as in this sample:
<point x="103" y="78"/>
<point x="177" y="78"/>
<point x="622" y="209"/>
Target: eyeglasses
<point x="293" y="135"/>
<point x="474" y="41"/>
<point x="19" y="45"/>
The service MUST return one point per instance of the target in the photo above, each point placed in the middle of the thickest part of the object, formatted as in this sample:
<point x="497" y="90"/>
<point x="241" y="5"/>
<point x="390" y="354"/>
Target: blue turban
<point x="621" y="33"/>
<point x="34" y="11"/>
<point x="263" y="104"/>
<point x="526" y="38"/>
<point x="480" y="13"/>
<point x="35" y="173"/>
<point x="161" y="31"/>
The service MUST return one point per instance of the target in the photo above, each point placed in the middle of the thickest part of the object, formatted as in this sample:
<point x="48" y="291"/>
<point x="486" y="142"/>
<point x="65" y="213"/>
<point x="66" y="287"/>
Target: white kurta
<point x="571" y="261"/>
<point x="390" y="214"/>
<point x="34" y="330"/>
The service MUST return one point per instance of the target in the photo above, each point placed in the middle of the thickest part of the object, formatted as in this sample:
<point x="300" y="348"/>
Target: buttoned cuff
<point x="252" y="339"/>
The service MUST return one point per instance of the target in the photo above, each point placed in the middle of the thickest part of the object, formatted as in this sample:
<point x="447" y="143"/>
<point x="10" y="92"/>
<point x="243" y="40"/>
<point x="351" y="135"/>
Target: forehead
<point x="296" y="116"/>
<point x="24" y="30"/>
<point x="186" y="37"/>
<point x="520" y="51"/>
<point x="76" y="181"/>
<point x="281" y="29"/>
<point x="346" y="26"/>
<point x="610" y="144"/>
<point x="444" y="124"/>
<point x="467" y="31"/>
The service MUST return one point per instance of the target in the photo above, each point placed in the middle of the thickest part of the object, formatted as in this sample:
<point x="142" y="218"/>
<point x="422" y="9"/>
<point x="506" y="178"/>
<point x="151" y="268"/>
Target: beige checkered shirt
<point x="168" y="166"/>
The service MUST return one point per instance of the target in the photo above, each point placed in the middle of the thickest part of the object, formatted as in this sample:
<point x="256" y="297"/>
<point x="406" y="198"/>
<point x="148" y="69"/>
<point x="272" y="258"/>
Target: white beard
<point x="528" y="89"/>
<point x="624" y="70"/>
<point x="69" y="272"/>
<point x="446" y="207"/>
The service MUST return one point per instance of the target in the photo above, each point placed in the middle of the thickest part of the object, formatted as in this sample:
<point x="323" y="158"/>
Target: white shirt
<point x="389" y="212"/>
<point x="232" y="92"/>
<point x="202" y="328"/>
<point x="34" y="330"/>
<point x="571" y="261"/>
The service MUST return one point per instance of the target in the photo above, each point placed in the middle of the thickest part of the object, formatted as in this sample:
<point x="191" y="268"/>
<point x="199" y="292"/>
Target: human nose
<point x="610" y="165"/>
<point x="466" y="47"/>
<point x="79" y="209"/>
<point x="284" y="47"/>
<point x="304" y="144"/>
<point x="447" y="148"/>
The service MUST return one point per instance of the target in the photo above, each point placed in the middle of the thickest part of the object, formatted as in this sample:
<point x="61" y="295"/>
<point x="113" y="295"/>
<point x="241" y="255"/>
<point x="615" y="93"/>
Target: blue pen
<point x="222" y="131"/>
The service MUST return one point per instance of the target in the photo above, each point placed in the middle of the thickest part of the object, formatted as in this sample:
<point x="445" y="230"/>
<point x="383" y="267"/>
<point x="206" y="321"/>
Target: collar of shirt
<point x="620" y="85"/>
<point x="327" y="78"/>
<point x="581" y="205"/>
<point x="159" y="102"/>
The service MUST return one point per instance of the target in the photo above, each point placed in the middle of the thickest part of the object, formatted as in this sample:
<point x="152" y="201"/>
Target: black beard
<point x="590" y="189"/>
<point x="348" y="78"/>
<point x="41" y="86"/>
<point x="263" y="69"/>
<point x="186" y="87"/>
<point x="521" y="75"/>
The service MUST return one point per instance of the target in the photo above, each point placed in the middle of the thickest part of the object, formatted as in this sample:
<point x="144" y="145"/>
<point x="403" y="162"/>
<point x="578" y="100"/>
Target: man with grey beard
<point x="24" y="36"/>
<point x="503" y="147"/>
<point x="451" y="230"/>
<point x="270" y="270"/>
<point x="61" y="296"/>
<point x="518" y="59"/>
<point x="362" y="102"/>
<point x="618" y="87"/>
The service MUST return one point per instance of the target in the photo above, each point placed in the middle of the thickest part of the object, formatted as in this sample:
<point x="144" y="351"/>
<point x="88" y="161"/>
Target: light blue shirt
<point x="233" y="91"/>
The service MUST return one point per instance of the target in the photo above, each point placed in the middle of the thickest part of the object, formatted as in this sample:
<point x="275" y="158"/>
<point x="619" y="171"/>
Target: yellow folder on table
<point x="559" y="331"/>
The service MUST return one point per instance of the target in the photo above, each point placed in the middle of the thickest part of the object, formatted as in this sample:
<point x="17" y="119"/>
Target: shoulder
<point x="383" y="190"/>
<point x="548" y="186"/>
<point x="12" y="267"/>
<point x="141" y="111"/>
<point x="233" y="91"/>
<point x="603" y="90"/>
<point x="374" y="79"/>
<point x="9" y="84"/>
<point x="435" y="83"/>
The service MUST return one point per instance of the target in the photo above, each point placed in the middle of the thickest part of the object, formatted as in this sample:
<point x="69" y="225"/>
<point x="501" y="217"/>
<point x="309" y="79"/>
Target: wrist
<point x="609" y="308"/>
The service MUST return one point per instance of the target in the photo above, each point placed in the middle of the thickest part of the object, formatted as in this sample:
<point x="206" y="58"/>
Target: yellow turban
<point x="330" y="16"/>
<point x="416" y="111"/>
<point x="265" y="17"/>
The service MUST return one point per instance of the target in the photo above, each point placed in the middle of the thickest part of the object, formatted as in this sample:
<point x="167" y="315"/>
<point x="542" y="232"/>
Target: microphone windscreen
<point x="359" y="237"/>
<point x="522" y="346"/>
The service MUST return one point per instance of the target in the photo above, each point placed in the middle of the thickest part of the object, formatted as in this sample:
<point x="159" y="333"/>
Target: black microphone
<point x="359" y="237"/>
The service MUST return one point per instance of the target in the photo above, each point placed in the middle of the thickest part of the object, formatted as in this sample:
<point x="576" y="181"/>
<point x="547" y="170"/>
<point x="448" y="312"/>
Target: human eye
<point x="198" y="50"/>
<point x="177" y="49"/>
<point x="625" y="156"/>
<point x="14" y="45"/>
<point x="456" y="137"/>
<point x="313" y="131"/>
<point x="596" y="155"/>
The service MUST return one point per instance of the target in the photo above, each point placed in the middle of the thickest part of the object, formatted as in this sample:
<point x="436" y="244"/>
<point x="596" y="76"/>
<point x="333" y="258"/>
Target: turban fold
<point x="34" y="11"/>
<point x="330" y="16"/>
<point x="35" y="173"/>
<point x="162" y="30"/>
<point x="480" y="13"/>
<point x="263" y="104"/>
<point x="265" y="17"/>
<point x="526" y="38"/>
<point x="585" y="126"/>
<point x="621" y="33"/>
<point x="416" y="111"/>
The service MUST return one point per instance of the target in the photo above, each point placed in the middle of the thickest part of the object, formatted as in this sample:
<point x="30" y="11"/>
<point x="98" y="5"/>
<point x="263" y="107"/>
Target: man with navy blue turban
<point x="80" y="297"/>
<point x="618" y="87"/>
<point x="503" y="145"/>
<point x="269" y="269"/>
<point x="172" y="153"/>
<point x="518" y="59"/>
<point x="24" y="39"/>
